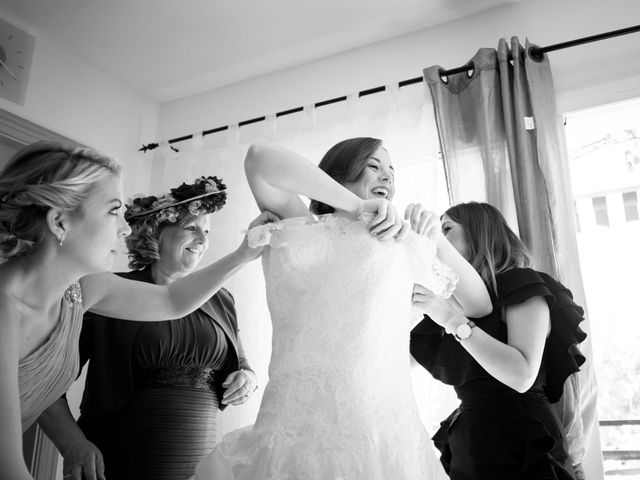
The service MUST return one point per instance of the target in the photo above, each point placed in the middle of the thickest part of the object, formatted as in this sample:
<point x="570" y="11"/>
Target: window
<point x="604" y="164"/>
<point x="600" y="209"/>
<point x="630" y="200"/>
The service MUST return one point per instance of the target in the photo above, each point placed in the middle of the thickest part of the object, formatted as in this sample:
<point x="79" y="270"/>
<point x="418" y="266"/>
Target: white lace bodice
<point x="338" y="404"/>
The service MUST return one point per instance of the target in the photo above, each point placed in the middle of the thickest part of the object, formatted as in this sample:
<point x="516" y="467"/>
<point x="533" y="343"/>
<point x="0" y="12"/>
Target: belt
<point x="175" y="376"/>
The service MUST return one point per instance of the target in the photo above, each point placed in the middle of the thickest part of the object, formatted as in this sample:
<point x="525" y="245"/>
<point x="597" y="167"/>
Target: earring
<point x="61" y="239"/>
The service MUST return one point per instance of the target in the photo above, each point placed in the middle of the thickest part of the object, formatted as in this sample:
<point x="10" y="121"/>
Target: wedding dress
<point x="339" y="403"/>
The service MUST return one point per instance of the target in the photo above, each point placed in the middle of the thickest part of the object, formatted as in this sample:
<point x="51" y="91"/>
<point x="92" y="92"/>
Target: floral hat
<point x="205" y="195"/>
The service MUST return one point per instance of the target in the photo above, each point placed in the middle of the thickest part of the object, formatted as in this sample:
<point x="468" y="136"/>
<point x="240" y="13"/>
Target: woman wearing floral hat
<point x="154" y="389"/>
<point x="61" y="222"/>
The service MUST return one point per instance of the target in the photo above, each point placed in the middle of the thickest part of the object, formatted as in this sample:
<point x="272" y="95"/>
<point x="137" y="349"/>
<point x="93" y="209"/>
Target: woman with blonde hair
<point x="61" y="223"/>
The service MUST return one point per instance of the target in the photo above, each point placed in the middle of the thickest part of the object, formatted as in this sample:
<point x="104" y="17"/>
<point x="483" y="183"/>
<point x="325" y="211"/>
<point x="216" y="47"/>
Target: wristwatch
<point x="463" y="331"/>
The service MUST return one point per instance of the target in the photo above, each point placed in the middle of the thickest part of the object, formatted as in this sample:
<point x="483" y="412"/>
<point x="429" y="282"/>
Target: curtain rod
<point x="536" y="53"/>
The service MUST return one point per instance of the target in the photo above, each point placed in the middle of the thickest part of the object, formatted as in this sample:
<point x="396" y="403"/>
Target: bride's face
<point x="377" y="179"/>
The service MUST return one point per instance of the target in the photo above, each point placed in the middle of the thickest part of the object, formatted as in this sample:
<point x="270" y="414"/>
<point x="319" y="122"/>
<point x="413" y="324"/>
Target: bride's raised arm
<point x="277" y="176"/>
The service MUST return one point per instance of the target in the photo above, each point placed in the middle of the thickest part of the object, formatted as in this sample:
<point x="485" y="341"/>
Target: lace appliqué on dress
<point x="261" y="235"/>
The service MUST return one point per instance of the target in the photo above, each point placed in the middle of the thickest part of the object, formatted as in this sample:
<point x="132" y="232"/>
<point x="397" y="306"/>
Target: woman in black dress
<point x="507" y="367"/>
<point x="154" y="389"/>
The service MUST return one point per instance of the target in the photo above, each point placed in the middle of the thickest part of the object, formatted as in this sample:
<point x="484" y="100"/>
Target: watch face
<point x="16" y="52"/>
<point x="463" y="331"/>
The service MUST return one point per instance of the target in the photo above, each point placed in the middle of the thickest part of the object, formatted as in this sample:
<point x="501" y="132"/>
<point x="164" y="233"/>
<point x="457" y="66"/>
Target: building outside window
<point x="604" y="162"/>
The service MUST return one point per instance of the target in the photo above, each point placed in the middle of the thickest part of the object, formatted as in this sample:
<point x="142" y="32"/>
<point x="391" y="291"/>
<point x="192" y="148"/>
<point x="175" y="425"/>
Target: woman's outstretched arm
<point x="113" y="296"/>
<point x="515" y="363"/>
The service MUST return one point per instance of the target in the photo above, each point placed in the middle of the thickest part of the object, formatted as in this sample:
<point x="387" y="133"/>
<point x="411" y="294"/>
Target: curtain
<point x="472" y="132"/>
<point x="503" y="143"/>
<point x="398" y="116"/>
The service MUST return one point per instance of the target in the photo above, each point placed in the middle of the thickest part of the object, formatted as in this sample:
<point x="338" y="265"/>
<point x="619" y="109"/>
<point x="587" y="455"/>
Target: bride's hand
<point x="386" y="223"/>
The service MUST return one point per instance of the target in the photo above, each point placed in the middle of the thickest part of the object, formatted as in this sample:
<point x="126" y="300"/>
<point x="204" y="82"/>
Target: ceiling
<point x="169" y="49"/>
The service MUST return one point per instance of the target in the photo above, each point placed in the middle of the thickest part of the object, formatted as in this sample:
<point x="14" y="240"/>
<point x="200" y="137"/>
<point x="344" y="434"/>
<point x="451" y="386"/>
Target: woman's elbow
<point x="522" y="386"/>
<point x="474" y="300"/>
<point x="523" y="381"/>
<point x="255" y="154"/>
<point x="478" y="308"/>
<point x="479" y="312"/>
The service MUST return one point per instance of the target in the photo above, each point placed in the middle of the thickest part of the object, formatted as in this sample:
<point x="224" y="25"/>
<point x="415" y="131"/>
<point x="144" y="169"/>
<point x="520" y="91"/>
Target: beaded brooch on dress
<point x="73" y="294"/>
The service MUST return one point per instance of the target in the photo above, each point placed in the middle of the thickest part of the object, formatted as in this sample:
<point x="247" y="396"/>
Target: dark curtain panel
<point x="503" y="143"/>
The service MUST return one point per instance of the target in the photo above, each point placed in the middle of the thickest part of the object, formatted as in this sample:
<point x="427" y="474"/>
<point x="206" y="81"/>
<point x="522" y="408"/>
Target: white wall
<point x="584" y="75"/>
<point x="74" y="99"/>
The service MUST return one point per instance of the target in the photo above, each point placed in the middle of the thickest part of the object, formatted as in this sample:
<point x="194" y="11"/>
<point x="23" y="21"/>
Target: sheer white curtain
<point x="402" y="117"/>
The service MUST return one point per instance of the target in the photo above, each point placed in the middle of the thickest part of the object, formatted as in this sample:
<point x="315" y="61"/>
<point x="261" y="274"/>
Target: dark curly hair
<point x="144" y="241"/>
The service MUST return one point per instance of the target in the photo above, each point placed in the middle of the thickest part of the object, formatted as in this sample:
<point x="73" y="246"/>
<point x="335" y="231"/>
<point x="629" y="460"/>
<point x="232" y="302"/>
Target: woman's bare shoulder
<point x="9" y="286"/>
<point x="9" y="314"/>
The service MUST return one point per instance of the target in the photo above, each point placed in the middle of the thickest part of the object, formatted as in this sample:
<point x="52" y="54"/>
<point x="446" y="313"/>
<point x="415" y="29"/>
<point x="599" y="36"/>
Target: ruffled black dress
<point x="496" y="432"/>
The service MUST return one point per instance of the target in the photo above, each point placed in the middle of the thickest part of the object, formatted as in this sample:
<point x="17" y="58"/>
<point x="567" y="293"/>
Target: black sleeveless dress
<point x="496" y="432"/>
<point x="151" y="399"/>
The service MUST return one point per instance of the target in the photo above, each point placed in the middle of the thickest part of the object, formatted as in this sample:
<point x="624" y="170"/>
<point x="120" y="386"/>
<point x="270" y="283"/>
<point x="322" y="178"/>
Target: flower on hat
<point x="194" y="207"/>
<point x="210" y="185"/>
<point x="167" y="214"/>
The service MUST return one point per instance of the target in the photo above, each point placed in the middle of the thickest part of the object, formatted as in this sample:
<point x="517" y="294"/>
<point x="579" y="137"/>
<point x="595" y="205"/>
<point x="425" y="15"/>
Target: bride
<point x="339" y="278"/>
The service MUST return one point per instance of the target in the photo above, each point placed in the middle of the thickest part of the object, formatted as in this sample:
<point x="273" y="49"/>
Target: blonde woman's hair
<point x="39" y="177"/>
